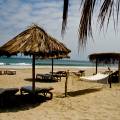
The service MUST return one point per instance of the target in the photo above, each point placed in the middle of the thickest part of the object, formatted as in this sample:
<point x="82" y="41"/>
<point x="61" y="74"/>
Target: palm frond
<point x="65" y="13"/>
<point x="117" y="9"/>
<point x="106" y="9"/>
<point x="85" y="28"/>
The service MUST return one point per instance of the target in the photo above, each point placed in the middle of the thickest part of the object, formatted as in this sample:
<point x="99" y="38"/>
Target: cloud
<point x="12" y="14"/>
<point x="19" y="12"/>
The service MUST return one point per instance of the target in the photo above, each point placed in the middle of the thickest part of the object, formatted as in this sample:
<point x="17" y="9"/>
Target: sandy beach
<point x="85" y="101"/>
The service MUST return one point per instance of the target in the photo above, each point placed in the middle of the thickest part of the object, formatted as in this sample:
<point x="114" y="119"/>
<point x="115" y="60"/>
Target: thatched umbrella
<point x="34" y="42"/>
<point x="56" y="57"/>
<point x="107" y="58"/>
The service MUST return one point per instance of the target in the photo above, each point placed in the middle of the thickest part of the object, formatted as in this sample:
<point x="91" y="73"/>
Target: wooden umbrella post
<point x="52" y="68"/>
<point x="33" y="73"/>
<point x="66" y="82"/>
<point x="119" y="71"/>
<point x="96" y="65"/>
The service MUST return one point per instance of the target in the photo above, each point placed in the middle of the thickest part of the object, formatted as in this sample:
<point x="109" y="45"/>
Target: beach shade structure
<point x="34" y="42"/>
<point x="106" y="58"/>
<point x="59" y="57"/>
<point x="56" y="57"/>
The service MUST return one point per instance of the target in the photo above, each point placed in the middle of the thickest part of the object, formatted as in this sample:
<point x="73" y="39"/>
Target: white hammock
<point x="99" y="77"/>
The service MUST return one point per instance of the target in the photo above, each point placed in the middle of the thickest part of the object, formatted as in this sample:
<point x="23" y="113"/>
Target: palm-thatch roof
<point x="35" y="41"/>
<point x="105" y="57"/>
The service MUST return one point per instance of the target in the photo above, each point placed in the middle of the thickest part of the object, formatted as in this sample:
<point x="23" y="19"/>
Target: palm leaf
<point x="65" y="13"/>
<point x="107" y="8"/>
<point x="85" y="28"/>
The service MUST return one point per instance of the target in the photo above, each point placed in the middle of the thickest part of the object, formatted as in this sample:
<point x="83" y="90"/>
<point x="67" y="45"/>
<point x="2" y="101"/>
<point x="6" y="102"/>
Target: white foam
<point x="20" y="64"/>
<point x="2" y="64"/>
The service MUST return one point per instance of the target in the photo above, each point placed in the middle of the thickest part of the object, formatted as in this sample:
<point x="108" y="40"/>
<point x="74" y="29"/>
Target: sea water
<point x="18" y="62"/>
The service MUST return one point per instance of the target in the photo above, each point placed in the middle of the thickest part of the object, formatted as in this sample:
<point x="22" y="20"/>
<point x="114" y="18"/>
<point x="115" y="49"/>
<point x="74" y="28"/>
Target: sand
<point x="85" y="101"/>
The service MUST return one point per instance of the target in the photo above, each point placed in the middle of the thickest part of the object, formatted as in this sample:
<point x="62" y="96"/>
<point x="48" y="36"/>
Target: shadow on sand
<point x="21" y="102"/>
<point x="83" y="92"/>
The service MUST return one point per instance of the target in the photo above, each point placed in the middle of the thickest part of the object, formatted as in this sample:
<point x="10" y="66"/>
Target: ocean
<point x="18" y="62"/>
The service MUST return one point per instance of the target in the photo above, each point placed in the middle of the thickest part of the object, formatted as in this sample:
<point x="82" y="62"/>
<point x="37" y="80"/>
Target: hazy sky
<point x="17" y="15"/>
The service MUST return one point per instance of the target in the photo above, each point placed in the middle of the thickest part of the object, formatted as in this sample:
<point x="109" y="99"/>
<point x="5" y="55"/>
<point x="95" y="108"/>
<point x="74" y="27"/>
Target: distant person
<point x="109" y="69"/>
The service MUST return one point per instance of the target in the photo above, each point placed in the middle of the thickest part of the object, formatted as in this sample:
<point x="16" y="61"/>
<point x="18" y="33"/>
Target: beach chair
<point x="48" y="77"/>
<point x="61" y="73"/>
<point x="79" y="73"/>
<point x="114" y="77"/>
<point x="10" y="72"/>
<point x="1" y="72"/>
<point x="43" y="91"/>
<point x="6" y="93"/>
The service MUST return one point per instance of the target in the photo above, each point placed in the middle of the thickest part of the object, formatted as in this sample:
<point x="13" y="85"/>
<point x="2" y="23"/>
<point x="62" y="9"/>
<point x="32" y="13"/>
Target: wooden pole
<point x="33" y="73"/>
<point x="119" y="71"/>
<point x="96" y="65"/>
<point x="52" y="66"/>
<point x="109" y="80"/>
<point x="66" y="82"/>
<point x="52" y="70"/>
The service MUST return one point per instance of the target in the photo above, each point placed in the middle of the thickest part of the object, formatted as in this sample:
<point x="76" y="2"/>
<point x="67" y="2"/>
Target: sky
<point x="18" y="15"/>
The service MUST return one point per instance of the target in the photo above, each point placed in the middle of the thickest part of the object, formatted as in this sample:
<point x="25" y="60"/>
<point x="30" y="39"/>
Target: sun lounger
<point x="43" y="76"/>
<point x="6" y="93"/>
<point x="79" y="73"/>
<point x="99" y="77"/>
<point x="115" y="77"/>
<point x="61" y="73"/>
<point x="10" y="72"/>
<point x="48" y="77"/>
<point x="1" y="72"/>
<point x="43" y="91"/>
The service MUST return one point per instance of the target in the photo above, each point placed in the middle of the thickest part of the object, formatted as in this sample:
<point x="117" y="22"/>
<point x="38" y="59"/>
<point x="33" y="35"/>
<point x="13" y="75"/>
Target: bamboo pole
<point x="33" y="73"/>
<point x="96" y="65"/>
<point x="66" y="82"/>
<point x="52" y="66"/>
<point x="52" y="70"/>
<point x="119" y="71"/>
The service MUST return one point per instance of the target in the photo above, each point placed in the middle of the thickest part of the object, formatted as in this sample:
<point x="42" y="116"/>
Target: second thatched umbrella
<point x="106" y="58"/>
<point x="34" y="42"/>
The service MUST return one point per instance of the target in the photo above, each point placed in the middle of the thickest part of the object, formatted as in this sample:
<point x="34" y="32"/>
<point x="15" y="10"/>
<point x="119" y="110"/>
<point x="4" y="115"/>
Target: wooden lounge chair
<point x="43" y="91"/>
<point x="48" y="77"/>
<point x="6" y="93"/>
<point x="10" y="72"/>
<point x="61" y="73"/>
<point x="114" y="77"/>
<point x="79" y="73"/>
<point x="1" y="72"/>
